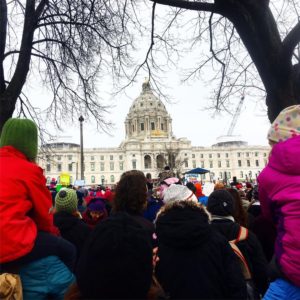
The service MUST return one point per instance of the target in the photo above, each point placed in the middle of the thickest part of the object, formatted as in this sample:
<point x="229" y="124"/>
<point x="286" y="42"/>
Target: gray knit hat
<point x="178" y="192"/>
<point x="66" y="200"/>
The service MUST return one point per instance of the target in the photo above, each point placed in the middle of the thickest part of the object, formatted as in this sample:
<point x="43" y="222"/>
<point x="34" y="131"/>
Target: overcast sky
<point x="189" y="118"/>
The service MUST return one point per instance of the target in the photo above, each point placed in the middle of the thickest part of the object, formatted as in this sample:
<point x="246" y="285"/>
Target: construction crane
<point x="235" y="117"/>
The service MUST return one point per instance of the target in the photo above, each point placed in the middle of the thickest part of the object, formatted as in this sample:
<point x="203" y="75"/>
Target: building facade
<point x="148" y="146"/>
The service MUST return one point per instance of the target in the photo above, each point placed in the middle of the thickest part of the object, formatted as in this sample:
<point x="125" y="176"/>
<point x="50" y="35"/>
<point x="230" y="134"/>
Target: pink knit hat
<point x="286" y="125"/>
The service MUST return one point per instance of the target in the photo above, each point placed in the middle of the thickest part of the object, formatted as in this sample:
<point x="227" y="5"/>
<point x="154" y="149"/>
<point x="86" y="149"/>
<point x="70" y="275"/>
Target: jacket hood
<point x="285" y="156"/>
<point x="184" y="228"/>
<point x="64" y="220"/>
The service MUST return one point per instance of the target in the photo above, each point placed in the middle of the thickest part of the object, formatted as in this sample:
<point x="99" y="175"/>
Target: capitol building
<point x="149" y="145"/>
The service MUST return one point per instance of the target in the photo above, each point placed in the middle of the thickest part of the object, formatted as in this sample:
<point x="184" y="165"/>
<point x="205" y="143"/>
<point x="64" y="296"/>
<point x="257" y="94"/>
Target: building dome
<point x="147" y="116"/>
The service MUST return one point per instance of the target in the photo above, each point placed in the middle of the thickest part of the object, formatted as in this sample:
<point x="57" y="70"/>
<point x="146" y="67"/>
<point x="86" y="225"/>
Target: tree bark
<point x="9" y="97"/>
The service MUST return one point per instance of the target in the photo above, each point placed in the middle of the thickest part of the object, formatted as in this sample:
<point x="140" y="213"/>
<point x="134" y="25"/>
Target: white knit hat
<point x="178" y="192"/>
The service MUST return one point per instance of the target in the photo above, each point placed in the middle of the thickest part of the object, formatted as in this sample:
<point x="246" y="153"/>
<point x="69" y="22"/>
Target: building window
<point x="147" y="162"/>
<point x="48" y="168"/>
<point x="201" y="155"/>
<point x="92" y="157"/>
<point x="111" y="157"/>
<point x="48" y="158"/>
<point x="226" y="154"/>
<point x="257" y="163"/>
<point x="160" y="161"/>
<point x="239" y="163"/>
<point x="70" y="167"/>
<point x="48" y="180"/>
<point x="142" y="127"/>
<point x="193" y="155"/>
<point x="59" y="157"/>
<point x="93" y="180"/>
<point x="121" y="166"/>
<point x="133" y="155"/>
<point x="111" y="166"/>
<point x="265" y="154"/>
<point x="70" y="157"/>
<point x="101" y="157"/>
<point x="210" y="155"/>
<point x="102" y="166"/>
<point x="152" y="126"/>
<point x="239" y="154"/>
<point x="142" y="104"/>
<point x="120" y="157"/>
<point x="211" y="165"/>
<point x="112" y="178"/>
<point x="220" y="175"/>
<point x="102" y="179"/>
<point x="202" y="164"/>
<point x="248" y="163"/>
<point x="162" y="126"/>
<point x="58" y="167"/>
<point x="241" y="174"/>
<point x="247" y="154"/>
<point x="265" y="161"/>
<point x="194" y="164"/>
<point x="132" y="128"/>
<point x="219" y="155"/>
<point x="256" y="153"/>
<point x="186" y="163"/>
<point x="92" y="166"/>
<point x="134" y="164"/>
<point x="219" y="164"/>
<point x="227" y="164"/>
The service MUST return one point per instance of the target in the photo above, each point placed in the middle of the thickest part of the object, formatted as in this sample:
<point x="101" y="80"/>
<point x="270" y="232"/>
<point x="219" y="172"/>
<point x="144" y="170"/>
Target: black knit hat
<point x="220" y="203"/>
<point x="116" y="261"/>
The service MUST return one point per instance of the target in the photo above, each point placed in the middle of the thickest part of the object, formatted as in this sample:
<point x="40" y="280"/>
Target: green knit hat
<point x="21" y="134"/>
<point x="66" y="200"/>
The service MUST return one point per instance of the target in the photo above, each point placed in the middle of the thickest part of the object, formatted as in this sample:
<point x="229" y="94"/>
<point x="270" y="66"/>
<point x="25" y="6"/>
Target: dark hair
<point x="240" y="215"/>
<point x="191" y="186"/>
<point x="131" y="193"/>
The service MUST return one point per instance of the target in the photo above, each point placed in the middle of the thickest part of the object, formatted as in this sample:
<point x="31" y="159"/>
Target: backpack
<point x="252" y="293"/>
<point x="10" y="287"/>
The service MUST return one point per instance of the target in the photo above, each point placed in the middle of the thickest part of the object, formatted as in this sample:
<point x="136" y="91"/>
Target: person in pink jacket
<point x="279" y="194"/>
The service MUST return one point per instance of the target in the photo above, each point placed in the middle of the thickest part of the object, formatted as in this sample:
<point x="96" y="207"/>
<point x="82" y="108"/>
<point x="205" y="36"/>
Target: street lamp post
<point x="81" y="119"/>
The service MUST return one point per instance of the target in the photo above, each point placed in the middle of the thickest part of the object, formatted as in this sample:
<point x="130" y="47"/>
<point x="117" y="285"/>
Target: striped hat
<point x="66" y="200"/>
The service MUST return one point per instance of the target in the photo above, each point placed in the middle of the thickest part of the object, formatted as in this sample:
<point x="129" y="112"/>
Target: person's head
<point x="116" y="262"/>
<point x="131" y="193"/>
<point x="96" y="209"/>
<point x="182" y="224"/>
<point x="285" y="126"/>
<point x="66" y="200"/>
<point x="191" y="186"/>
<point x="177" y="192"/>
<point x="239" y="213"/>
<point x="21" y="134"/>
<point x="220" y="203"/>
<point x="219" y="186"/>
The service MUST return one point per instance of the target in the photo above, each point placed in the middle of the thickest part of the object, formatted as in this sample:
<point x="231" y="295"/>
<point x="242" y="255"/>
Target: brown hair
<point x="240" y="215"/>
<point x="131" y="193"/>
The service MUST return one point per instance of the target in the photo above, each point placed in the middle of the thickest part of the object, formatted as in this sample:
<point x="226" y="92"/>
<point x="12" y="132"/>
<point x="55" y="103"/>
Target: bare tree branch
<point x="290" y="42"/>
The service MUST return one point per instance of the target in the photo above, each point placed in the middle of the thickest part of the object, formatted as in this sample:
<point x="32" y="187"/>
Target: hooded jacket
<point x="25" y="202"/>
<point x="279" y="194"/>
<point x="72" y="229"/>
<point x="251" y="250"/>
<point x="194" y="262"/>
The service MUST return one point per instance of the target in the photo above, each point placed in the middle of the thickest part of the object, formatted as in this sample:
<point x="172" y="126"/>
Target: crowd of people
<point x="146" y="241"/>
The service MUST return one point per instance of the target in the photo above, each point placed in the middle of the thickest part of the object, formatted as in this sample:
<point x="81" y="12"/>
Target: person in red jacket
<point x="26" y="224"/>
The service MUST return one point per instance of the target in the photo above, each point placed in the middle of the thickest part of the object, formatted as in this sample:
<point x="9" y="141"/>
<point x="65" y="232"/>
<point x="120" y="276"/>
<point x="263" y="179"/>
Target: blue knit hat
<point x="22" y="134"/>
